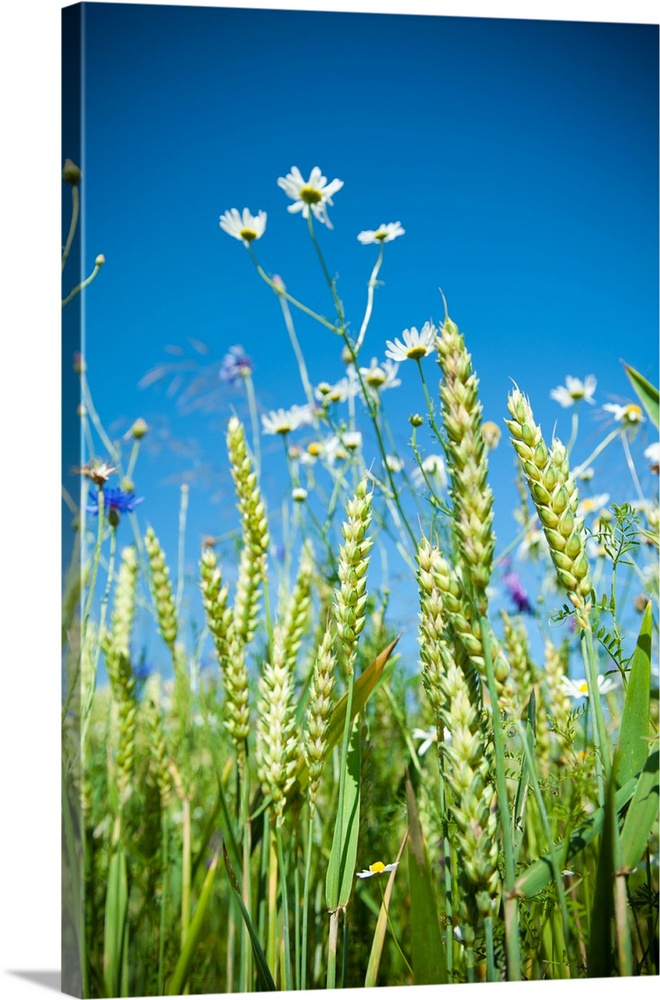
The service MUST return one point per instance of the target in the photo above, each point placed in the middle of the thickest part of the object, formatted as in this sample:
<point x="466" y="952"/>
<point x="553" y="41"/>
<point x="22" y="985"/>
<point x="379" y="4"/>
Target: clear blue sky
<point x="520" y="156"/>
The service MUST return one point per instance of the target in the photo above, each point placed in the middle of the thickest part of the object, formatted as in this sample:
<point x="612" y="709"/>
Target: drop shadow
<point x="49" y="980"/>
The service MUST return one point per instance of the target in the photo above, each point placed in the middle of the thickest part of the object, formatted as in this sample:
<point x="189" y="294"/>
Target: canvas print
<point x="360" y="500"/>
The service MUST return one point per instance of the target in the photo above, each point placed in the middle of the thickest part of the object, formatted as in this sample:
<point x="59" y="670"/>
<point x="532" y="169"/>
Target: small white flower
<point x="330" y="449"/>
<point x="384" y="234"/>
<point x="283" y="421"/>
<point x="376" y="869"/>
<point x="415" y="345"/>
<point x="586" y="475"/>
<point x="429" y="736"/>
<point x="580" y="689"/>
<point x="341" y="391"/>
<point x="532" y="544"/>
<point x="246" y="227"/>
<point x="434" y="467"/>
<point x="630" y="414"/>
<point x="313" y="194"/>
<point x="574" y="391"/>
<point x="653" y="453"/>
<point x="393" y="463"/>
<point x="381" y="376"/>
<point x="352" y="440"/>
<point x="590" y="505"/>
<point x="299" y="494"/>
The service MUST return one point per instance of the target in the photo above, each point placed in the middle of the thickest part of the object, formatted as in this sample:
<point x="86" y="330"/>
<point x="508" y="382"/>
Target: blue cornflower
<point x="115" y="501"/>
<point x="236" y="365"/>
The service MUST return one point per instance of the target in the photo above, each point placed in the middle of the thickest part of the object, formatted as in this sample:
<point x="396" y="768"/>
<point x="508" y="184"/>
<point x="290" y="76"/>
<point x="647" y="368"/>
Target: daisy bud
<point x="71" y="173"/>
<point x="139" y="429"/>
<point x="416" y="420"/>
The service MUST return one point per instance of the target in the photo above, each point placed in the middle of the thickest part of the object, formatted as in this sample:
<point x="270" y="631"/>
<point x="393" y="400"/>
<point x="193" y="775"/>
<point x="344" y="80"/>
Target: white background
<point x="30" y="472"/>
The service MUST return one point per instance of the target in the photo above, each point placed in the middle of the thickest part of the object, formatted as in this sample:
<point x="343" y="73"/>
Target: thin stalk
<point x="574" y="430"/>
<point x="631" y="464"/>
<point x="75" y="212"/>
<point x="284" y="896"/>
<point x="512" y="940"/>
<point x="132" y="458"/>
<point x="446" y="853"/>
<point x="576" y="473"/>
<point x="601" y="741"/>
<point x="186" y="868"/>
<point x="254" y="420"/>
<point x="246" y="826"/>
<point x="96" y="420"/>
<point x="83" y="284"/>
<point x="333" y="934"/>
<point x="547" y="833"/>
<point x="305" y="903"/>
<point x="429" y="404"/>
<point x="272" y="901"/>
<point x="163" y="899"/>
<point x="302" y="367"/>
<point x="392" y="931"/>
<point x="491" y="971"/>
<point x="294" y="302"/>
<point x="370" y="298"/>
<point x="183" y="511"/>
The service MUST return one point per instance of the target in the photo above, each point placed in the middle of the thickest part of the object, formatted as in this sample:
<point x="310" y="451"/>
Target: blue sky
<point x="520" y="156"/>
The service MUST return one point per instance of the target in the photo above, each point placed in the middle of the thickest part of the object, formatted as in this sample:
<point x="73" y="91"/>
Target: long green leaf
<point x="641" y="815"/>
<point x="264" y="975"/>
<point x="364" y="687"/>
<point x="633" y="746"/>
<point x="371" y="977"/>
<point x="340" y="875"/>
<point x="116" y="907"/>
<point x="647" y="393"/>
<point x="182" y="968"/>
<point x="600" y="953"/>
<point x="428" y="950"/>
<point x="539" y="873"/>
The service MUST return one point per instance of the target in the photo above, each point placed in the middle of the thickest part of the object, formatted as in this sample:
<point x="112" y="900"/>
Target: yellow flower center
<point x="632" y="413"/>
<point x="419" y="351"/>
<point x="314" y="449"/>
<point x="377" y="867"/>
<point x="248" y="235"/>
<point x="583" y="688"/>
<point x="310" y="195"/>
<point x="380" y="234"/>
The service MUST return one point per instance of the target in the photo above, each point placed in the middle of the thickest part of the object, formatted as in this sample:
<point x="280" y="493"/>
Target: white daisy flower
<point x="299" y="494"/>
<point x="330" y="449"/>
<point x="393" y="463"/>
<point x="283" y="421"/>
<point x="385" y="233"/>
<point x="246" y="227"/>
<point x="434" y="467"/>
<point x="352" y="440"/>
<point x="415" y="345"/>
<point x="429" y="736"/>
<point x="580" y="689"/>
<point x="653" y="453"/>
<point x="590" y="505"/>
<point x="574" y="391"/>
<point x="376" y="869"/>
<point x="339" y="392"/>
<point x="313" y="194"/>
<point x="381" y="376"/>
<point x="533" y="544"/>
<point x="630" y="414"/>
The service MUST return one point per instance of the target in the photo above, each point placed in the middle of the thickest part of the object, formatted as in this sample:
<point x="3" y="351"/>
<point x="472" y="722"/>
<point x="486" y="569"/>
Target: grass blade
<point x="343" y="853"/>
<point x="116" y="908"/>
<point x="641" y="815"/>
<point x="600" y="961"/>
<point x="632" y="747"/>
<point x="182" y="969"/>
<point x="264" y="975"/>
<point x="428" y="950"/>
<point x="371" y="976"/>
<point x="647" y="393"/>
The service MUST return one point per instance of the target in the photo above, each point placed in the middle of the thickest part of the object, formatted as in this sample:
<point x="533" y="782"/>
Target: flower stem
<point x="370" y="298"/>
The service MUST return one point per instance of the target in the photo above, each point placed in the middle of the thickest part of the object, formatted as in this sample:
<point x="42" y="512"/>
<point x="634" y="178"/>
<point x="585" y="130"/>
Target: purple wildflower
<point x="236" y="365"/>
<point x="517" y="592"/>
<point x="114" y="499"/>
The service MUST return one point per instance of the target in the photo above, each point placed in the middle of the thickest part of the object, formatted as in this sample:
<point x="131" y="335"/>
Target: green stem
<point x="294" y="302"/>
<point x="254" y="420"/>
<point x="491" y="971"/>
<point x="83" y="284"/>
<point x="75" y="212"/>
<point x="512" y="940"/>
<point x="601" y="741"/>
<point x="429" y="404"/>
<point x="163" y="899"/>
<point x="305" y="903"/>
<point x="370" y="298"/>
<point x="392" y="931"/>
<point x="302" y="367"/>
<point x="286" y="937"/>
<point x="576" y="473"/>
